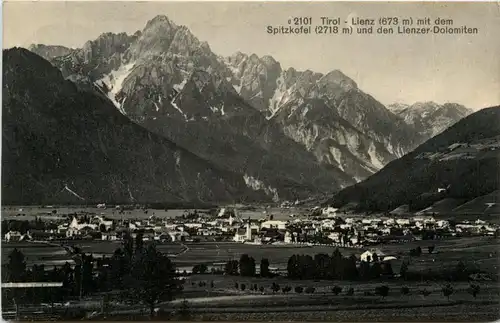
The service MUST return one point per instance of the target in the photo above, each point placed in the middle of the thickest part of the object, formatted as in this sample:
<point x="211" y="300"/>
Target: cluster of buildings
<point x="325" y="227"/>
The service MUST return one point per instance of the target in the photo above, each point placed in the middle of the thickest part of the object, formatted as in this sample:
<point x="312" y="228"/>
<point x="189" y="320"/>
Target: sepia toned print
<point x="250" y="161"/>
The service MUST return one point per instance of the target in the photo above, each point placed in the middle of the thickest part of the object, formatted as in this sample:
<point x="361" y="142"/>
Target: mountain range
<point x="287" y="134"/>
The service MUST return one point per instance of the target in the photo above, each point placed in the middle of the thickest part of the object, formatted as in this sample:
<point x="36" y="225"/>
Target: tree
<point x="461" y="271"/>
<point x="473" y="290"/>
<point x="128" y="244"/>
<point x="336" y="290"/>
<point x="375" y="270"/>
<point x="431" y="249"/>
<point x="236" y="286"/>
<point x="200" y="269"/>
<point x="247" y="266"/>
<point x="154" y="278"/>
<point x="231" y="267"/>
<point x="310" y="290"/>
<point x="261" y="289"/>
<point x="139" y="242"/>
<point x="405" y="290"/>
<point x="275" y="288"/>
<point x="264" y="268"/>
<point x="350" y="292"/>
<point x="243" y="287"/>
<point x="102" y="228"/>
<point x="403" y="270"/>
<point x="425" y="292"/>
<point x="447" y="291"/>
<point x="382" y="291"/>
<point x="16" y="266"/>
<point x="375" y="257"/>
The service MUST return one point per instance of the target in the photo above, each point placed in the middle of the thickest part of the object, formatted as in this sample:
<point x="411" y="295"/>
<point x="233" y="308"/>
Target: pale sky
<point x="393" y="68"/>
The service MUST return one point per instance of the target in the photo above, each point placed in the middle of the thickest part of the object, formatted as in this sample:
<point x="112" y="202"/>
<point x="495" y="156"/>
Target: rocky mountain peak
<point x="160" y="21"/>
<point x="337" y="78"/>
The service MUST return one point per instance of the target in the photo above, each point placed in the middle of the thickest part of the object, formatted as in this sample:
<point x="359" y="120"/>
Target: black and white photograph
<point x="250" y="161"/>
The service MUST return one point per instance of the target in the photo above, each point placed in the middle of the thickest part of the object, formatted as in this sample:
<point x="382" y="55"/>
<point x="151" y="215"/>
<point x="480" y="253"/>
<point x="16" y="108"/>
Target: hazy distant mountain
<point x="50" y="51"/>
<point x="60" y="140"/>
<point x="430" y="118"/>
<point x="460" y="163"/>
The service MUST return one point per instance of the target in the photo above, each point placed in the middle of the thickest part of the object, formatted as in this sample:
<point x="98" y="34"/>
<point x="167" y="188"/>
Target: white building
<point x="240" y="235"/>
<point x="403" y="221"/>
<point x="273" y="224"/>
<point x="367" y="256"/>
<point x="13" y="236"/>
<point x="329" y="211"/>
<point x="334" y="236"/>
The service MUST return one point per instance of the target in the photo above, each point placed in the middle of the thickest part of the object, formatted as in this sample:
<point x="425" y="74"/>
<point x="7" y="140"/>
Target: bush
<point x="447" y="291"/>
<point x="202" y="268"/>
<point x="243" y="287"/>
<point x="310" y="290"/>
<point x="350" y="292"/>
<point x="299" y="289"/>
<point x="236" y="286"/>
<point x="261" y="289"/>
<point x="405" y="290"/>
<point x="382" y="291"/>
<point x="473" y="290"/>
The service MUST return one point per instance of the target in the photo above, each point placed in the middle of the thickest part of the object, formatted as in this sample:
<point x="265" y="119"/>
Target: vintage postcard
<point x="250" y="161"/>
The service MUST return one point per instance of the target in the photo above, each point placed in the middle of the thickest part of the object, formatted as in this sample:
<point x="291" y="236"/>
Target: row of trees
<point x="323" y="266"/>
<point x="246" y="267"/>
<point x="382" y="291"/>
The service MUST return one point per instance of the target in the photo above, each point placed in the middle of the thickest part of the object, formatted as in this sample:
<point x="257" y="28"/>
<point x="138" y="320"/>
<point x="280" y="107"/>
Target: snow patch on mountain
<point x="257" y="185"/>
<point x="176" y="107"/>
<point x="372" y="152"/>
<point x="113" y="82"/>
<point x="217" y="110"/>
<point x="337" y="155"/>
<point x="180" y="86"/>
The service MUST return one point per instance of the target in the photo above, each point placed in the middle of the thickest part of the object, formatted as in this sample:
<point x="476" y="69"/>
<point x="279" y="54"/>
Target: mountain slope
<point x="430" y="118"/>
<point x="326" y="113"/>
<point x="56" y="137"/>
<point x="460" y="163"/>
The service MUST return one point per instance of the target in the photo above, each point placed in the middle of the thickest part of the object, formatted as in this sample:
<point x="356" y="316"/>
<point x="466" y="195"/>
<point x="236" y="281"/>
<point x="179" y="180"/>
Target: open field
<point x="278" y="255"/>
<point x="479" y="252"/>
<point x="30" y="212"/>
<point x="37" y="253"/>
